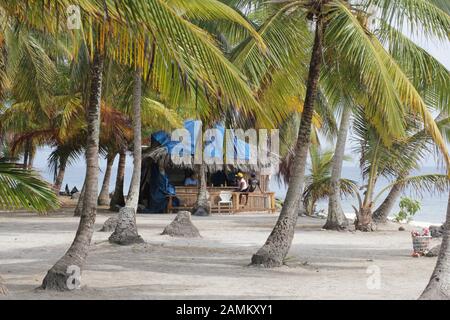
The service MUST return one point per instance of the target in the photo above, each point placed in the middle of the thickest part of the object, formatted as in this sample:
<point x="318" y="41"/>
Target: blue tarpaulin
<point x="160" y="187"/>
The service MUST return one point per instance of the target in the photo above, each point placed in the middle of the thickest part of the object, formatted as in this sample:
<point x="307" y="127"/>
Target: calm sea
<point x="433" y="209"/>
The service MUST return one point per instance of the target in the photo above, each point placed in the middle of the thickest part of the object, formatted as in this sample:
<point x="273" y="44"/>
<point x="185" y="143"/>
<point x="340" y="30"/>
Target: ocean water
<point x="433" y="206"/>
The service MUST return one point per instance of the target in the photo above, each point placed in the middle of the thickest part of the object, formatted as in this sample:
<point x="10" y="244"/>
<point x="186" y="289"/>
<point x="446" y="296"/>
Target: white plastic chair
<point x="225" y="199"/>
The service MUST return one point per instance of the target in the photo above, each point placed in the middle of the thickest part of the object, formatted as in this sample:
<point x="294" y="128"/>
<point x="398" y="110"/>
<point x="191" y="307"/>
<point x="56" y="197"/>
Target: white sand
<point x="321" y="264"/>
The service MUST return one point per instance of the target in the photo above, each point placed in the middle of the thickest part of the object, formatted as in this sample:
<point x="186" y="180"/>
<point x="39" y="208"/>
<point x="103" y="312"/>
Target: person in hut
<point x="242" y="186"/>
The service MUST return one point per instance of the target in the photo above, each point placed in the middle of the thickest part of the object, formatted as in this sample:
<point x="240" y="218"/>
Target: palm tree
<point x="341" y="29"/>
<point x="414" y="148"/>
<point x="336" y="219"/>
<point x="319" y="181"/>
<point x="126" y="228"/>
<point x="56" y="277"/>
<point x="103" y="197"/>
<point x="396" y="160"/>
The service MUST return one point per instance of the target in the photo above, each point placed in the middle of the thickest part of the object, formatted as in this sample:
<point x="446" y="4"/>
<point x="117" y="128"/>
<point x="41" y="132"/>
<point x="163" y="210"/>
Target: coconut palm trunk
<point x="126" y="229"/>
<point x="202" y="206"/>
<point x="336" y="218"/>
<point x="273" y="252"/>
<point x="103" y="198"/>
<point x="79" y="207"/>
<point x="118" y="200"/>
<point x="60" y="176"/>
<point x="65" y="274"/>
<point x="439" y="286"/>
<point x="382" y="212"/>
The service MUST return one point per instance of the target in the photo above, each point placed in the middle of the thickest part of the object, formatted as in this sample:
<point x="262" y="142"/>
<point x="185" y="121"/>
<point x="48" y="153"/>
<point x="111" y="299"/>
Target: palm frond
<point x="23" y="189"/>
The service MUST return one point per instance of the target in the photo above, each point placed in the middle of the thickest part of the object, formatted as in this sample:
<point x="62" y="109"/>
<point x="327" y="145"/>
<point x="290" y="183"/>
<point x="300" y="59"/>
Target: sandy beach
<point x="321" y="264"/>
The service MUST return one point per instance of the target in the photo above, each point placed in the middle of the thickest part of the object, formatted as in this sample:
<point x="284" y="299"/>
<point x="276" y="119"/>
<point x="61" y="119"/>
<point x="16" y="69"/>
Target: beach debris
<point x="436" y="231"/>
<point x="182" y="227"/>
<point x="110" y="225"/>
<point x="401" y="228"/>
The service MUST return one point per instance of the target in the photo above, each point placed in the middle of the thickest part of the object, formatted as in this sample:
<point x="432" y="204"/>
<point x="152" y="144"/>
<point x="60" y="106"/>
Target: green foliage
<point x="408" y="208"/>
<point x="23" y="189"/>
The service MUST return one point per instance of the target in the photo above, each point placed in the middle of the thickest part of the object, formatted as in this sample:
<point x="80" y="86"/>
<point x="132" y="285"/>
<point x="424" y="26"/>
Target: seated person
<point x="242" y="187"/>
<point x="191" y="180"/>
<point x="241" y="183"/>
<point x="253" y="183"/>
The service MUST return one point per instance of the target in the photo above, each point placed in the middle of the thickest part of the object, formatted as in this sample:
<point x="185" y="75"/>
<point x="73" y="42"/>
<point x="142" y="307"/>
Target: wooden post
<point x="272" y="202"/>
<point x="236" y="201"/>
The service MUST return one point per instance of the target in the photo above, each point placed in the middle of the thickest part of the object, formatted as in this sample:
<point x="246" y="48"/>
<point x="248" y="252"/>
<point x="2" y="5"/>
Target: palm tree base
<point x="126" y="238"/>
<point x="335" y="226"/>
<point x="57" y="278"/>
<point x="264" y="259"/>
<point x="126" y="230"/>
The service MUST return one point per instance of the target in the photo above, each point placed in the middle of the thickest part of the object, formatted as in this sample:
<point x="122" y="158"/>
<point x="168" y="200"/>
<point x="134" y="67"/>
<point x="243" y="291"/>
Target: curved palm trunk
<point x="60" y="176"/>
<point x="118" y="199"/>
<point x="279" y="241"/>
<point x="126" y="228"/>
<point x="382" y="212"/>
<point x="103" y="198"/>
<point x="79" y="207"/>
<point x="64" y="274"/>
<point x="439" y="285"/>
<point x="202" y="206"/>
<point x="336" y="219"/>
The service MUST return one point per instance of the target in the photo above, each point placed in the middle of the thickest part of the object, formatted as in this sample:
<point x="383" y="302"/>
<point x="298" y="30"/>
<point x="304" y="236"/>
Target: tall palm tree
<point x="56" y="278"/>
<point x="341" y="29"/>
<point x="397" y="159"/>
<point x="126" y="228"/>
<point x="319" y="182"/>
<point x="416" y="147"/>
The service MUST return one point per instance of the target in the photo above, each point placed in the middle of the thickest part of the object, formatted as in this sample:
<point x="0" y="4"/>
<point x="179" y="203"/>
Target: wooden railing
<point x="241" y="201"/>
